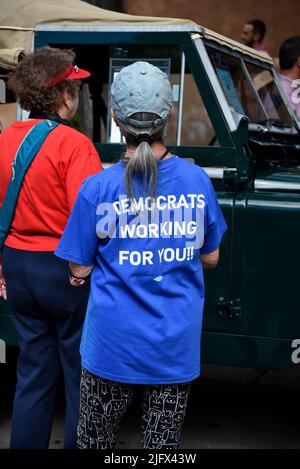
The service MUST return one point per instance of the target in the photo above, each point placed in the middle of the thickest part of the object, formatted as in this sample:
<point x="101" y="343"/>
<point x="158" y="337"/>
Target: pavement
<point x="229" y="407"/>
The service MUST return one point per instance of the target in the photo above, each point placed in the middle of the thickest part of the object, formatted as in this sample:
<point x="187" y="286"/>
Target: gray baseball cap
<point x="141" y="87"/>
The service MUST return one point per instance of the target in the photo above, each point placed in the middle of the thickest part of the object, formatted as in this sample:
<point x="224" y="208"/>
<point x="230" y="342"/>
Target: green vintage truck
<point x="232" y="118"/>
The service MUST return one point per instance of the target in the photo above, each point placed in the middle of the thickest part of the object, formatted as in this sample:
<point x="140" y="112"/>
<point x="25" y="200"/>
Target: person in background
<point x="253" y="34"/>
<point x="289" y="60"/>
<point x="46" y="311"/>
<point x="143" y="229"/>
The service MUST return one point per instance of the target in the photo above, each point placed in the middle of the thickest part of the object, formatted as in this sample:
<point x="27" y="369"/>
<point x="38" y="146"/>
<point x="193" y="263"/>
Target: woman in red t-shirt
<point x="46" y="310"/>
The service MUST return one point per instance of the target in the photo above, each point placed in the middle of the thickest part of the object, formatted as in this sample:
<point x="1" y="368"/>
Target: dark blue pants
<point x="48" y="314"/>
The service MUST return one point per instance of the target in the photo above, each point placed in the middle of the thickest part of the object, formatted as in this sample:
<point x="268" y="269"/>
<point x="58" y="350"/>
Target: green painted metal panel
<point x="266" y="259"/>
<point x="7" y="331"/>
<point x="246" y="351"/>
<point x="218" y="280"/>
<point x="43" y="38"/>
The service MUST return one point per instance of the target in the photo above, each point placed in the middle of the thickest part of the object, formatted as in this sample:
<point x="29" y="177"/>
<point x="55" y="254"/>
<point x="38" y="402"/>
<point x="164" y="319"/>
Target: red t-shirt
<point x="50" y="186"/>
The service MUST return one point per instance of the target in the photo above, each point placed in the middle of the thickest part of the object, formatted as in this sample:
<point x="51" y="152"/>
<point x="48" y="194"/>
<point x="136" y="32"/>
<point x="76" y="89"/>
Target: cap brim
<point x="79" y="74"/>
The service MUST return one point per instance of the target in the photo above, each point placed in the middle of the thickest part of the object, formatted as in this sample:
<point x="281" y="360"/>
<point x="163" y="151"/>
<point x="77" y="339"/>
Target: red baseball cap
<point x="71" y="73"/>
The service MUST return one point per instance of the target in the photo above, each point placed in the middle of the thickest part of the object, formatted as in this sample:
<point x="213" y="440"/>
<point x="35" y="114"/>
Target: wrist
<point x="75" y="277"/>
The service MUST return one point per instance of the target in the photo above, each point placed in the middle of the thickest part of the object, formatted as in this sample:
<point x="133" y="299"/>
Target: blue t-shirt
<point x="144" y="316"/>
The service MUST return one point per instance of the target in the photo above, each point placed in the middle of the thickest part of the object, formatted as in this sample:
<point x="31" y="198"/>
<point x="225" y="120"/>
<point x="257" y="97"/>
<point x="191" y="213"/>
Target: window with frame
<point x="249" y="89"/>
<point x="189" y="123"/>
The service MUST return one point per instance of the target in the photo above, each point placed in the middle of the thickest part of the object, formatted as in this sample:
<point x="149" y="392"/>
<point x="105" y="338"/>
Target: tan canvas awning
<point x="20" y="18"/>
<point x="9" y="58"/>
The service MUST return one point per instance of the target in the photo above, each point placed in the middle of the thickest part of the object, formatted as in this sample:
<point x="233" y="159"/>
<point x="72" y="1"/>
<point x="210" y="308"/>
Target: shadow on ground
<point x="229" y="407"/>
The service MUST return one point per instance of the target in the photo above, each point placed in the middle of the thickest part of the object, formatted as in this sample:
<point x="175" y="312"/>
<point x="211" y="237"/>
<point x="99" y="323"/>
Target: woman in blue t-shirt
<point x="143" y="230"/>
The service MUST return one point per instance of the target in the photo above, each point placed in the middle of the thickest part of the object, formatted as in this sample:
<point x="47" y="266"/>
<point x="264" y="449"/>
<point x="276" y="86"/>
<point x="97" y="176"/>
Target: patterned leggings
<point x="103" y="404"/>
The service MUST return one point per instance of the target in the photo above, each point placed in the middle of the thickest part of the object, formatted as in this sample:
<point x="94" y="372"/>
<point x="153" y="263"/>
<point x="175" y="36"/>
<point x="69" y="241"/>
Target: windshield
<point x="268" y="92"/>
<point x="250" y="90"/>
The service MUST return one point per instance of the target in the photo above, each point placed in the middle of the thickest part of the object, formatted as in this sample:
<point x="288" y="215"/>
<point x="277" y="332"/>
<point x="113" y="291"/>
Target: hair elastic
<point x="144" y="137"/>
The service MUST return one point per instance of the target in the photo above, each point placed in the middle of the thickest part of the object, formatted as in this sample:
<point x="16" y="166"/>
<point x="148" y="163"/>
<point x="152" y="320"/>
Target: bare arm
<point x="80" y="271"/>
<point x="209" y="261"/>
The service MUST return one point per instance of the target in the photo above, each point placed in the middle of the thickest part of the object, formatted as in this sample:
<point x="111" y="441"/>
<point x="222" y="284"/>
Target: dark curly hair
<point x="35" y="72"/>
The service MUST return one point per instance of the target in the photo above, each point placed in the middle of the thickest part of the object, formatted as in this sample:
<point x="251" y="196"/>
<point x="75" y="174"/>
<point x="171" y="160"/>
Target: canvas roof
<point x="20" y="18"/>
